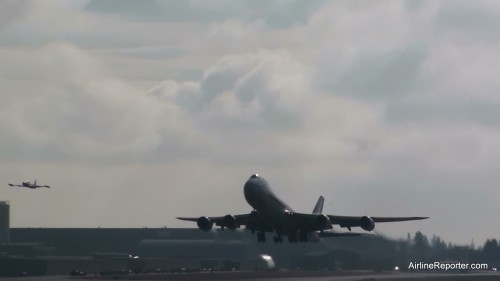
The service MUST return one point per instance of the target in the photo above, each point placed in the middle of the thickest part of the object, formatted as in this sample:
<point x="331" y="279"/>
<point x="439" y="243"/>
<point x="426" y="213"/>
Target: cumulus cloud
<point x="12" y="10"/>
<point x="81" y="110"/>
<point x="359" y="100"/>
<point x="263" y="103"/>
<point x="276" y="14"/>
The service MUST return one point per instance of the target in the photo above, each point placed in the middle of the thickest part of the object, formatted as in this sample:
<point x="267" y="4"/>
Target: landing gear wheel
<point x="303" y="236"/>
<point x="261" y="236"/>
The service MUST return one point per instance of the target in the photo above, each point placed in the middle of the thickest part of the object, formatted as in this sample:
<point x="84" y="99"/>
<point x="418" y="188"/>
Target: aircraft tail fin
<point x="318" y="209"/>
<point x="34" y="183"/>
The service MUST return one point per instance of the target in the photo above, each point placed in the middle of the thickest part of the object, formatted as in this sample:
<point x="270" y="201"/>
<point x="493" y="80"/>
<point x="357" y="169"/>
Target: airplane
<point x="28" y="184"/>
<point x="271" y="214"/>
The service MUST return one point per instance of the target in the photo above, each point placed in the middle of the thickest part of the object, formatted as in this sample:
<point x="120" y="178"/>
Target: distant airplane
<point x="271" y="214"/>
<point x="28" y="184"/>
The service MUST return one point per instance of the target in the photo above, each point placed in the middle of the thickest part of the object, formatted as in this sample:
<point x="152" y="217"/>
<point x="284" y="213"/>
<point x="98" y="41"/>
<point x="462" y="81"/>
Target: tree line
<point x="419" y="248"/>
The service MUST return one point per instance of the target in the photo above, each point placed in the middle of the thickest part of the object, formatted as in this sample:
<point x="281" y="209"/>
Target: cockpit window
<point x="254" y="176"/>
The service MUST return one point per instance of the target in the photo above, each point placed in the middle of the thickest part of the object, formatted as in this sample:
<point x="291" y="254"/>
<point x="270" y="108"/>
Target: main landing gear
<point x="278" y="239"/>
<point x="301" y="237"/>
<point x="261" y="236"/>
<point x="292" y="238"/>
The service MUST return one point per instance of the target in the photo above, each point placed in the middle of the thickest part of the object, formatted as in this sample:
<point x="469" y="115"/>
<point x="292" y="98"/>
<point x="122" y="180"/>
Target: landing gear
<point x="292" y="238"/>
<point x="278" y="239"/>
<point x="303" y="236"/>
<point x="261" y="236"/>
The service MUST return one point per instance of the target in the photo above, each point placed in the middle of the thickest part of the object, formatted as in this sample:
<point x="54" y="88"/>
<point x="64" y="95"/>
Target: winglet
<point x="318" y="209"/>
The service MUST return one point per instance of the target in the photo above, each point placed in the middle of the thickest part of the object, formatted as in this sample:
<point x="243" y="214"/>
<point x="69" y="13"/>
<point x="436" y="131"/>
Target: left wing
<point x="251" y="221"/>
<point x="219" y="221"/>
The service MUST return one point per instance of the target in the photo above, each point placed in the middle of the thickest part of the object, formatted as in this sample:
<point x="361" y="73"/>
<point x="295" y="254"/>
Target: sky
<point x="140" y="111"/>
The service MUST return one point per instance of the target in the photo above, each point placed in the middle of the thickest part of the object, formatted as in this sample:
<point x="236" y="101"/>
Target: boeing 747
<point x="271" y="214"/>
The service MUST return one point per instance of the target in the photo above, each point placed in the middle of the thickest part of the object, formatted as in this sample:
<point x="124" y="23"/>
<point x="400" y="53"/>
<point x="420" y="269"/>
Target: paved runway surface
<point x="341" y="276"/>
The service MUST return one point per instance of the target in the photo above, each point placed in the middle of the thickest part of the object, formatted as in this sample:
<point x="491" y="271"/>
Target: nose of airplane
<point x="252" y="181"/>
<point x="254" y="184"/>
<point x="251" y="188"/>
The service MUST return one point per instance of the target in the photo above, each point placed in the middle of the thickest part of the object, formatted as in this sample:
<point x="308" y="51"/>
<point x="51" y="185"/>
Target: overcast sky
<point x="140" y="111"/>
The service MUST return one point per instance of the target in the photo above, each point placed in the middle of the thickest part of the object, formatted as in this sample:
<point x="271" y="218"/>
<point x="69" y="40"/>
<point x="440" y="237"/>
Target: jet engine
<point x="323" y="222"/>
<point x="230" y="222"/>
<point x="253" y="221"/>
<point x="367" y="223"/>
<point x="204" y="223"/>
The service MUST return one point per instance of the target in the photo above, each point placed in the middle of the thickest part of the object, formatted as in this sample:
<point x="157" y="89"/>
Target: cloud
<point x="467" y="21"/>
<point x="12" y="11"/>
<point x="278" y="14"/>
<point x="254" y="101"/>
<point x="356" y="100"/>
<point x="82" y="111"/>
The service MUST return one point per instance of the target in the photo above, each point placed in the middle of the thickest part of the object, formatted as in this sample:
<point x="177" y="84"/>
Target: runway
<point x="484" y="276"/>
<point x="291" y="276"/>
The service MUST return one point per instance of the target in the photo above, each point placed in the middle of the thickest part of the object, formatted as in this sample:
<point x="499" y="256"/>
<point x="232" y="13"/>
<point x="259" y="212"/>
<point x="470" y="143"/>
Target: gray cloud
<point x="275" y="14"/>
<point x="12" y="11"/>
<point x="478" y="22"/>
<point x="387" y="75"/>
<point x="357" y="101"/>
<point x="83" y="112"/>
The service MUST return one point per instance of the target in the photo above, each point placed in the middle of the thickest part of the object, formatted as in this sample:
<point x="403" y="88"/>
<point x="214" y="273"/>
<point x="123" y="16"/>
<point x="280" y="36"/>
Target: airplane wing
<point x="38" y="186"/>
<point x="218" y="220"/>
<point x="337" y="234"/>
<point x="250" y="221"/>
<point x="10" y="184"/>
<point x="315" y="222"/>
<point x="309" y="222"/>
<point x="351" y="221"/>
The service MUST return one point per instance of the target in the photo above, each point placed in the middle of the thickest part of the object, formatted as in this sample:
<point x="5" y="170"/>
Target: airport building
<point x="59" y="250"/>
<point x="46" y="251"/>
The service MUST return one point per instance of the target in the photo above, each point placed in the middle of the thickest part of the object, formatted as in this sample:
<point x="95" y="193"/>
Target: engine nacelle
<point x="367" y="223"/>
<point x="204" y="223"/>
<point x="230" y="222"/>
<point x="323" y="222"/>
<point x="253" y="221"/>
